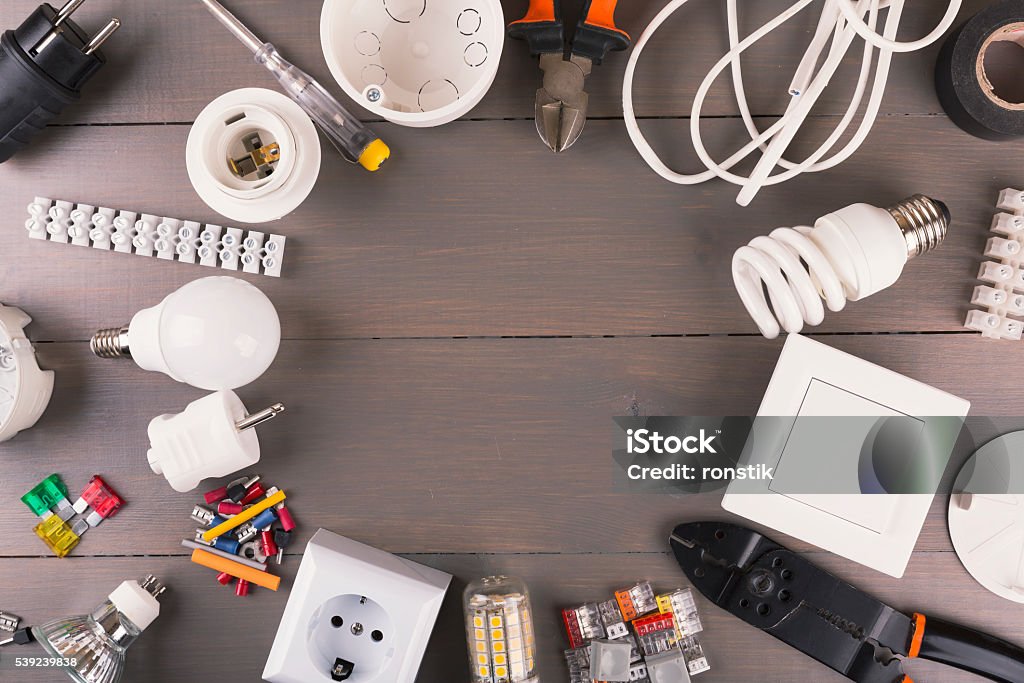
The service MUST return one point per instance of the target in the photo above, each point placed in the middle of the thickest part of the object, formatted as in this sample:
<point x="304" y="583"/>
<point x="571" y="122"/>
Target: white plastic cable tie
<point x="170" y="239"/>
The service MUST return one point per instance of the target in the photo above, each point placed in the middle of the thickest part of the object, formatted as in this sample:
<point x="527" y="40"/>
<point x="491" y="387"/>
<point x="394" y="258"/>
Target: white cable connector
<point x="840" y="23"/>
<point x="848" y="255"/>
<point x="1004" y="296"/>
<point x="213" y="437"/>
<point x="169" y="239"/>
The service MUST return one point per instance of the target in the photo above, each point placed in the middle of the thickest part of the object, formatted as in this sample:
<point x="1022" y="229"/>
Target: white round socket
<point x="417" y="63"/>
<point x="354" y="628"/>
<point x="219" y="134"/>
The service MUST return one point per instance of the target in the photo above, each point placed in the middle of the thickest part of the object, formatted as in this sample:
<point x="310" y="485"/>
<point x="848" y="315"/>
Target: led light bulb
<point x="213" y="437"/>
<point x="92" y="646"/>
<point x="214" y="333"/>
<point x="499" y="628"/>
<point x="848" y="255"/>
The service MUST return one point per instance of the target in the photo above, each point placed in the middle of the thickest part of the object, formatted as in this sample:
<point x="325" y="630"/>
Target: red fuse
<point x="103" y="500"/>
<point x="269" y="546"/>
<point x="253" y="492"/>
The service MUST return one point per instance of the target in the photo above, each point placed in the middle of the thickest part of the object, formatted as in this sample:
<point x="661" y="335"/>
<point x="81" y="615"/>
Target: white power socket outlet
<point x="357" y="612"/>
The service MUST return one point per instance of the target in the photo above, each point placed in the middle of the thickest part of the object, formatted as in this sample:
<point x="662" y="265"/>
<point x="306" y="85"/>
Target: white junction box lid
<point x="358" y="609"/>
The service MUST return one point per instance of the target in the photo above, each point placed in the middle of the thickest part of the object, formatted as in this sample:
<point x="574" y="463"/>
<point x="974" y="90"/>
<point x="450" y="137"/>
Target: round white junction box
<point x="986" y="520"/>
<point x="417" y="63"/>
<point x="25" y="390"/>
<point x="220" y="134"/>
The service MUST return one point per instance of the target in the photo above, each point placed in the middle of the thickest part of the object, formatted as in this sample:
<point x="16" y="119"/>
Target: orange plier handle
<point x="596" y="34"/>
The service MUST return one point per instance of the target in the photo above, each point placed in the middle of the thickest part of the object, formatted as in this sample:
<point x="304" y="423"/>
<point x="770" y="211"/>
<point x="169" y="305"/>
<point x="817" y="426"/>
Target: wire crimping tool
<point x="561" y="108"/>
<point x="785" y="595"/>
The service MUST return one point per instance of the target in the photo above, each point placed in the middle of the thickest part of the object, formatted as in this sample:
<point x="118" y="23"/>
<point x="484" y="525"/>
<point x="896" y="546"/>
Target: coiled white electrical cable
<point x="841" y="21"/>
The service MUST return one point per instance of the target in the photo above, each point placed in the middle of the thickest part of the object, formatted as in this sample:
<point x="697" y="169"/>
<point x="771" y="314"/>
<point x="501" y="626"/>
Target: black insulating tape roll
<point x="960" y="81"/>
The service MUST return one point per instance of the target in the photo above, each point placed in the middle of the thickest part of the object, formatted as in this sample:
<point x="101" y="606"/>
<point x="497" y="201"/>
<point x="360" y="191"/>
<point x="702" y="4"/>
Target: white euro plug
<point x="212" y="437"/>
<point x="849" y="254"/>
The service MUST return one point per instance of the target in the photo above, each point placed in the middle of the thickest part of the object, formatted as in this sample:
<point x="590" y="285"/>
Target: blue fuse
<point x="264" y="519"/>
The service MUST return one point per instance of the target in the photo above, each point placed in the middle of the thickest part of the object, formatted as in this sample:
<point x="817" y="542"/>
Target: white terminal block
<point x="25" y="390"/>
<point x="212" y="437"/>
<point x="357" y="609"/>
<point x="1001" y="300"/>
<point x="170" y="239"/>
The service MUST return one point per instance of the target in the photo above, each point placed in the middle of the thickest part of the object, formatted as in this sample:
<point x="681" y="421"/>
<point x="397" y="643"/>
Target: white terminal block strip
<point x="1002" y="299"/>
<point x="169" y="239"/>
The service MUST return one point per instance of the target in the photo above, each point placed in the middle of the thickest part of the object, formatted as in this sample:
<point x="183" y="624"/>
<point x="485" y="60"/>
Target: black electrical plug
<point x="44" y="64"/>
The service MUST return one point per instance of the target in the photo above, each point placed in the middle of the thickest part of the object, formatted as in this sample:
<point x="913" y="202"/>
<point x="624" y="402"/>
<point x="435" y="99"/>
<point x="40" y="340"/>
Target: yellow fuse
<point x="57" y="535"/>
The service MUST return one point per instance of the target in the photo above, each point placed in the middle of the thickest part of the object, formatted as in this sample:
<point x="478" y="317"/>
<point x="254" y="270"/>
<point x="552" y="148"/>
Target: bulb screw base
<point x="111" y="343"/>
<point x="924" y="222"/>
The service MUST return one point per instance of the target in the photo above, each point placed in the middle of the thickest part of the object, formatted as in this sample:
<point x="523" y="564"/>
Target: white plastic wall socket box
<point x="416" y="63"/>
<point x="25" y="390"/>
<point x="202" y="441"/>
<point x="168" y="239"/>
<point x="815" y="380"/>
<point x="1003" y="298"/>
<point x="357" y="603"/>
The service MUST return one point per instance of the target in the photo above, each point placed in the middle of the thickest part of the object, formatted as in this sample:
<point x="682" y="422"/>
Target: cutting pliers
<point x="561" y="108"/>
<point x="785" y="595"/>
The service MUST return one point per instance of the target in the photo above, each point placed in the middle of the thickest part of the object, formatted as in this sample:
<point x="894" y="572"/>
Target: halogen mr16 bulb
<point x="849" y="254"/>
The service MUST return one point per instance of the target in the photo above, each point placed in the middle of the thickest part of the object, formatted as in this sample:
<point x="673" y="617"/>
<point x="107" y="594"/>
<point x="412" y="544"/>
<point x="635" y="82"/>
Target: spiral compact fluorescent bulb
<point x="849" y="254"/>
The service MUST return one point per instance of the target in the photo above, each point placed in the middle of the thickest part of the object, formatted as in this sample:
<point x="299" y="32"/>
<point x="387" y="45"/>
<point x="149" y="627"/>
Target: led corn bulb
<point x="499" y="627"/>
<point x="848" y="255"/>
<point x="215" y="333"/>
<point x="213" y="437"/>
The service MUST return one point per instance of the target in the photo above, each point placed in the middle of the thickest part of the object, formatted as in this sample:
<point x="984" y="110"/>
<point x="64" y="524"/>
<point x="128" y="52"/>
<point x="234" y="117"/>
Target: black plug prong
<point x="101" y="37"/>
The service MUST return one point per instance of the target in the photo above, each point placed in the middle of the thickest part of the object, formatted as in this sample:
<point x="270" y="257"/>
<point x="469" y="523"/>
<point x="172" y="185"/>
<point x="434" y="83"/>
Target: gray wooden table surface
<point x="461" y="328"/>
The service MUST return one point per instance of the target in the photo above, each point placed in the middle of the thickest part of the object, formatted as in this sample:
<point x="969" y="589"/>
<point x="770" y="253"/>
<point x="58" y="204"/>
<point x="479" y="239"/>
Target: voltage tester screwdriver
<point x="353" y="140"/>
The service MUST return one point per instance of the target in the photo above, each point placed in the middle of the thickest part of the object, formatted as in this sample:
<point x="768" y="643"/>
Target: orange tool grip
<point x="915" y="642"/>
<point x="539" y="11"/>
<point x="239" y="571"/>
<point x="602" y="14"/>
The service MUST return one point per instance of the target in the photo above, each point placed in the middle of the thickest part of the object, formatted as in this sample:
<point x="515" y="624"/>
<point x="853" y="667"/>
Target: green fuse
<point x="47" y="494"/>
<point x="57" y="535"/>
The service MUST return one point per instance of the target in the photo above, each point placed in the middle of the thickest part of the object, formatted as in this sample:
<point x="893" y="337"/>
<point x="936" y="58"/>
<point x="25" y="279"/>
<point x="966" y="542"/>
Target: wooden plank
<point x="204" y="628"/>
<point x="170" y="59"/>
<point x="589" y="243"/>
<point x="447" y="445"/>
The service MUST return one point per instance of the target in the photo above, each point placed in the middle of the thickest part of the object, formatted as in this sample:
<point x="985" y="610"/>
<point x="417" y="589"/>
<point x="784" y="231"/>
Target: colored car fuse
<point x="228" y="508"/>
<point x="57" y="535"/>
<point x="267" y="542"/>
<point x="8" y="621"/>
<point x="656" y="633"/>
<point x="242" y="588"/>
<point x="583" y="624"/>
<point x="636" y="601"/>
<point x="499" y="628"/>
<point x="104" y="501"/>
<point x="253" y="493"/>
<point x="48" y="494"/>
<point x="224" y="578"/>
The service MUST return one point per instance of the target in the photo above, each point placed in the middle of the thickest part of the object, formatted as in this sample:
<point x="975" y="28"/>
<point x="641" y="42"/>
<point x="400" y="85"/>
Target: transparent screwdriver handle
<point x="353" y="140"/>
